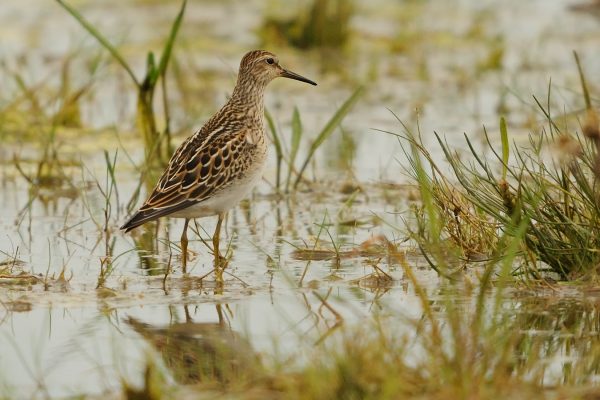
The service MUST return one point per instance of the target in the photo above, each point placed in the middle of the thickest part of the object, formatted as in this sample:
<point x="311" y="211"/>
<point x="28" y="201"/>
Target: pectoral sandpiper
<point x="216" y="167"/>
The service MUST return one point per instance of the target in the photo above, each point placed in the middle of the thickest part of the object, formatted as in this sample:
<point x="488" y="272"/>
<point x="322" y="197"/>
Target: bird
<point x="216" y="167"/>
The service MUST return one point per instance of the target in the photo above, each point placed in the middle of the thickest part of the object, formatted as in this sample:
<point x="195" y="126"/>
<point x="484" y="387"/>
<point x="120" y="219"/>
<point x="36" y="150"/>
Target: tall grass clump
<point x="551" y="186"/>
<point x="157" y="143"/>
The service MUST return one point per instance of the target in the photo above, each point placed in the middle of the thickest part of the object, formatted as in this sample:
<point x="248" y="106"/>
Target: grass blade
<point x="101" y="39"/>
<point x="166" y="54"/>
<point x="586" y="93"/>
<point x="277" y="144"/>
<point x="505" y="148"/>
<point x="110" y="169"/>
<point x="296" y="136"/>
<point x="329" y="129"/>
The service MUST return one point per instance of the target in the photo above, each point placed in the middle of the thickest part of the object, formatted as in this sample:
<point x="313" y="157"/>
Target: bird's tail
<point x="139" y="218"/>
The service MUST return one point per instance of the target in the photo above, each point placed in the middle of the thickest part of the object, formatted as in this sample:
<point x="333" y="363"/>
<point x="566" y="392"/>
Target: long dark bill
<point x="292" y="75"/>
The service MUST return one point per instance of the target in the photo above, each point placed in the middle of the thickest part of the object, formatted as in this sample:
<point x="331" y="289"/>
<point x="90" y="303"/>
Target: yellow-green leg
<point x="219" y="260"/>
<point x="184" y="246"/>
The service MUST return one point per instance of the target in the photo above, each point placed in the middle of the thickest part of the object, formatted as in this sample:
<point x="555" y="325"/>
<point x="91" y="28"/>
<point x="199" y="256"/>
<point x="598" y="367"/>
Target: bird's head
<point x="261" y="67"/>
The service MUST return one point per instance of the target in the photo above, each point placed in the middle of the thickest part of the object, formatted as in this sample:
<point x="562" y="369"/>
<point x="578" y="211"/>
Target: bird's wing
<point x="199" y="168"/>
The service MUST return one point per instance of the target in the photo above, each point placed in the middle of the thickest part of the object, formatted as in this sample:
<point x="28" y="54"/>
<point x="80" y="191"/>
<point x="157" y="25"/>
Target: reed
<point x="157" y="143"/>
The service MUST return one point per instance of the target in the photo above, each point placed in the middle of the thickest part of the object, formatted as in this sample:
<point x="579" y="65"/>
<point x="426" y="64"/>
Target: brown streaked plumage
<point x="216" y="167"/>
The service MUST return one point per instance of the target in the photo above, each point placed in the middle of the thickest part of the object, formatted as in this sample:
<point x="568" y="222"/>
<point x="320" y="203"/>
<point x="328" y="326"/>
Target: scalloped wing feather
<point x="200" y="167"/>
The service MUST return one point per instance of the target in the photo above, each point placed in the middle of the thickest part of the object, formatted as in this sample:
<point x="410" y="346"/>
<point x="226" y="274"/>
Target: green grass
<point x="482" y="199"/>
<point x="295" y="175"/>
<point x="483" y="348"/>
<point x="157" y="143"/>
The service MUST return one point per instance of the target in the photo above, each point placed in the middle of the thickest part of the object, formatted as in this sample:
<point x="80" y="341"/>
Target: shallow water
<point x="61" y="336"/>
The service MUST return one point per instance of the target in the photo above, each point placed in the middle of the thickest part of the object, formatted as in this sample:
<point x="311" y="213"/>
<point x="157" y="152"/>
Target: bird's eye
<point x="270" y="61"/>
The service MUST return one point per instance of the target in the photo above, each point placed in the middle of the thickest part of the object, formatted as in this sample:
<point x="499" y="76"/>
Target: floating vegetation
<point x="378" y="247"/>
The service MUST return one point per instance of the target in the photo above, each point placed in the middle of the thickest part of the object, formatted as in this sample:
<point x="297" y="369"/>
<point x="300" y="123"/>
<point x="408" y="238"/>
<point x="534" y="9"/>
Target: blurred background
<point x="455" y="66"/>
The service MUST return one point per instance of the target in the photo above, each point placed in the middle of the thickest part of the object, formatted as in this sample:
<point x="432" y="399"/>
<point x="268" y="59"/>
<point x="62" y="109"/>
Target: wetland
<point x="426" y="226"/>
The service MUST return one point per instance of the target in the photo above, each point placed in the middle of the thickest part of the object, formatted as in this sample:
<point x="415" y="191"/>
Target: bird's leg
<point x="184" y="245"/>
<point x="219" y="260"/>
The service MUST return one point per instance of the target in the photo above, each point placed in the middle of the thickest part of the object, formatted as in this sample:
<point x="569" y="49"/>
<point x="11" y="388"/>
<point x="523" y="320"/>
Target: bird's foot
<point x="220" y="264"/>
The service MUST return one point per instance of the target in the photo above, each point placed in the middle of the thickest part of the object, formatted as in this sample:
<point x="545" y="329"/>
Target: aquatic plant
<point x="478" y="348"/>
<point x="157" y="144"/>
<point x="296" y="141"/>
<point x="557" y="199"/>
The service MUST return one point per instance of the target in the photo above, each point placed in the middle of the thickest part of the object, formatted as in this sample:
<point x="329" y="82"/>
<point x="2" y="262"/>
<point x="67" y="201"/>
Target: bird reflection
<point x="200" y="352"/>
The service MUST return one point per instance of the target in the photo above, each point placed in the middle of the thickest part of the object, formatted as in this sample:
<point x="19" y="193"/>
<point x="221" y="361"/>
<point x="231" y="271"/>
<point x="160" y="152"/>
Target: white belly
<point x="223" y="200"/>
